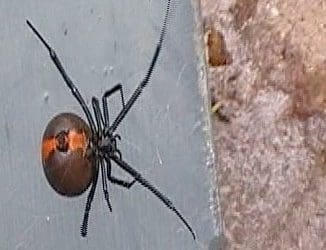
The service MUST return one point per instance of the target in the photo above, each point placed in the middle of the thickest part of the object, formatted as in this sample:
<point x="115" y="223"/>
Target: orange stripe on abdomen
<point x="48" y="146"/>
<point x="77" y="140"/>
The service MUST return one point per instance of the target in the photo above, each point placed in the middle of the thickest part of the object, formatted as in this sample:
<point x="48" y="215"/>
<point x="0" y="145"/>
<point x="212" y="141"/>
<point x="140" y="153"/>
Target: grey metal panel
<point x="102" y="43"/>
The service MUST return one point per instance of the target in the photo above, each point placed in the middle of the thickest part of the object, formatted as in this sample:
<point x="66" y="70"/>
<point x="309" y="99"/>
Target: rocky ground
<point x="267" y="71"/>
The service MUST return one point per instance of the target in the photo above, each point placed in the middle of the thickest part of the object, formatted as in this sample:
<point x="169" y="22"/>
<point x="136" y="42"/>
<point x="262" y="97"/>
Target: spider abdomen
<point x="67" y="165"/>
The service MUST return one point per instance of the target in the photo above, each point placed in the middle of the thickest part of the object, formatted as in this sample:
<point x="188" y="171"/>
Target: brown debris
<point x="216" y="52"/>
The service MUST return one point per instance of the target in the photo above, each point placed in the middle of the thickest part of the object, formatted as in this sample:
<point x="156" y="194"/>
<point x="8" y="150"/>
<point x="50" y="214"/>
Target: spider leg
<point x="98" y="116"/>
<point x="119" y="153"/>
<point x="148" y="74"/>
<point x="125" y="166"/>
<point x="115" y="180"/>
<point x="105" y="98"/>
<point x="104" y="184"/>
<point x="83" y="228"/>
<point x="117" y="136"/>
<point x="55" y="59"/>
<point x="99" y="119"/>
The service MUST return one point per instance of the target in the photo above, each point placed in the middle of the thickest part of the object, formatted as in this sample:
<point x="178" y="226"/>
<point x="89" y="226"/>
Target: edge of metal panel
<point x="210" y="154"/>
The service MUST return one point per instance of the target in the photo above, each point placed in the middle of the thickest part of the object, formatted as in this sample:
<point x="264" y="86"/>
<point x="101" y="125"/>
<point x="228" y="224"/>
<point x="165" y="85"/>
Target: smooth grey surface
<point x="102" y="43"/>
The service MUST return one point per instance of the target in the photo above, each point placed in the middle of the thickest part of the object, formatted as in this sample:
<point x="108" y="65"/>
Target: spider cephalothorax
<point x="108" y="144"/>
<point x="73" y="151"/>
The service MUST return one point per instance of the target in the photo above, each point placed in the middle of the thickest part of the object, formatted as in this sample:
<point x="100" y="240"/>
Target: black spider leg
<point x="90" y="197"/>
<point x="66" y="78"/>
<point x="115" y="180"/>
<point x="99" y="120"/>
<point x="105" y="97"/>
<point x="125" y="166"/>
<point x="148" y="75"/>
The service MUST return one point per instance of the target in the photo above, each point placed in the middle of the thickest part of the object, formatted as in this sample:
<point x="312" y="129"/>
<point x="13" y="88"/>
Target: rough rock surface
<point x="270" y="121"/>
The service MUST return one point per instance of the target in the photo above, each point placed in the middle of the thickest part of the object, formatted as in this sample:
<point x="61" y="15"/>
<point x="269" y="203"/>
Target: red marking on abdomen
<point x="48" y="146"/>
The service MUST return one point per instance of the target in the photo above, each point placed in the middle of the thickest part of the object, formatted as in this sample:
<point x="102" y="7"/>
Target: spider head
<point x="108" y="144"/>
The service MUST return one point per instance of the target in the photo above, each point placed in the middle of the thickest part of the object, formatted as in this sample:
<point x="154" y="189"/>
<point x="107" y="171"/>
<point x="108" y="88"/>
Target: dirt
<point x="269" y="98"/>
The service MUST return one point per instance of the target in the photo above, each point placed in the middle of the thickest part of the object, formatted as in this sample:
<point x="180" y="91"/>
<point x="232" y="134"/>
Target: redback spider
<point x="74" y="151"/>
